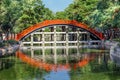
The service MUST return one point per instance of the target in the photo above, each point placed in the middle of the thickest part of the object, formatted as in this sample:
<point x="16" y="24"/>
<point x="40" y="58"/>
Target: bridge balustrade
<point x="61" y="37"/>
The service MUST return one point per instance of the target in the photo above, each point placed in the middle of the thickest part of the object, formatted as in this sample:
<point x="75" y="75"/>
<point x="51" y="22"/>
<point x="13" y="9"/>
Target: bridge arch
<point x="46" y="23"/>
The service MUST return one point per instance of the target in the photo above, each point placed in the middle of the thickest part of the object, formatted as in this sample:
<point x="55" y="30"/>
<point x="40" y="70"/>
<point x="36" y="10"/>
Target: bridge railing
<point x="71" y="44"/>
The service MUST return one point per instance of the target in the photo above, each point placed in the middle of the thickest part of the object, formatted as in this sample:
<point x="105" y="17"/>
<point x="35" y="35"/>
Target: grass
<point x="97" y="76"/>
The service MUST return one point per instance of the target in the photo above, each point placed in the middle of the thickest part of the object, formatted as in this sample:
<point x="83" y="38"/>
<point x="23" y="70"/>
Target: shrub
<point x="11" y="42"/>
<point x="2" y="44"/>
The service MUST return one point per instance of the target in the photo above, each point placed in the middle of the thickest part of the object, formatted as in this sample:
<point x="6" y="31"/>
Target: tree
<point x="9" y="15"/>
<point x="105" y="17"/>
<point x="116" y="17"/>
<point x="61" y="15"/>
<point x="33" y="14"/>
<point x="79" y="9"/>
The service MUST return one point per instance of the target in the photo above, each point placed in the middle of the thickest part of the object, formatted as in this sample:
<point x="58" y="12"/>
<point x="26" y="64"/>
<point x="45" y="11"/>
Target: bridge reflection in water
<point x="48" y="65"/>
<point x="87" y="66"/>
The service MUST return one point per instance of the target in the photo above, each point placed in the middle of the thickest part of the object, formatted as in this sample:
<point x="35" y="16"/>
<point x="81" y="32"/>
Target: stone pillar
<point x="31" y="39"/>
<point x="52" y="37"/>
<point x="32" y="52"/>
<point x="67" y="37"/>
<point x="55" y="49"/>
<point x="88" y="39"/>
<point x="43" y="44"/>
<point x="21" y="43"/>
<point x="78" y="48"/>
<point x="67" y="61"/>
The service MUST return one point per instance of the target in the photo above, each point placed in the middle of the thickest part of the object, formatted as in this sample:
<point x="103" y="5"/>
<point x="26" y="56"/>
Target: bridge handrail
<point x="98" y="41"/>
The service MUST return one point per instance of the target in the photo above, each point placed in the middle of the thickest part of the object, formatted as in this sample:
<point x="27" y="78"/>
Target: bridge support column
<point x="32" y="51"/>
<point x="55" y="49"/>
<point x="67" y="60"/>
<point x="67" y="37"/>
<point x="43" y="45"/>
<point x="78" y="43"/>
<point x="89" y="44"/>
<point x="21" y="44"/>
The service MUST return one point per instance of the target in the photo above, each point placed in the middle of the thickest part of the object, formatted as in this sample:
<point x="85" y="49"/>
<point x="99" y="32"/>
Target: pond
<point x="90" y="64"/>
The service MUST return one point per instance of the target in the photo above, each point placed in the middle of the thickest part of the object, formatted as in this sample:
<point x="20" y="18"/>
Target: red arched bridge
<point x="59" y="36"/>
<point x="49" y="23"/>
<point x="49" y="67"/>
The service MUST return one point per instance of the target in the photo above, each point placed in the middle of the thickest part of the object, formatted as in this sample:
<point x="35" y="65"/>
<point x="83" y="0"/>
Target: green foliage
<point x="11" y="42"/>
<point x="32" y="14"/>
<point x="107" y="15"/>
<point x="17" y="15"/>
<point x="8" y="42"/>
<point x="79" y="9"/>
<point x="102" y="4"/>
<point x="60" y="15"/>
<point x="1" y="44"/>
<point x="116" y="18"/>
<point x="10" y="12"/>
<point x="101" y="14"/>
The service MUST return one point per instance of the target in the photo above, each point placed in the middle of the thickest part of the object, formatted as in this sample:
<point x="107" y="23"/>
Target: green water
<point x="101" y="68"/>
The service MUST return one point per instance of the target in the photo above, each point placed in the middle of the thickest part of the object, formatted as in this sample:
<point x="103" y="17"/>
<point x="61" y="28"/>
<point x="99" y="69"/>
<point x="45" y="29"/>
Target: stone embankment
<point x="7" y="50"/>
<point x="114" y="51"/>
<point x="109" y="44"/>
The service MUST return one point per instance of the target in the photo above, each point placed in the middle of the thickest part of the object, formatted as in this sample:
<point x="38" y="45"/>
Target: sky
<point x="57" y="5"/>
